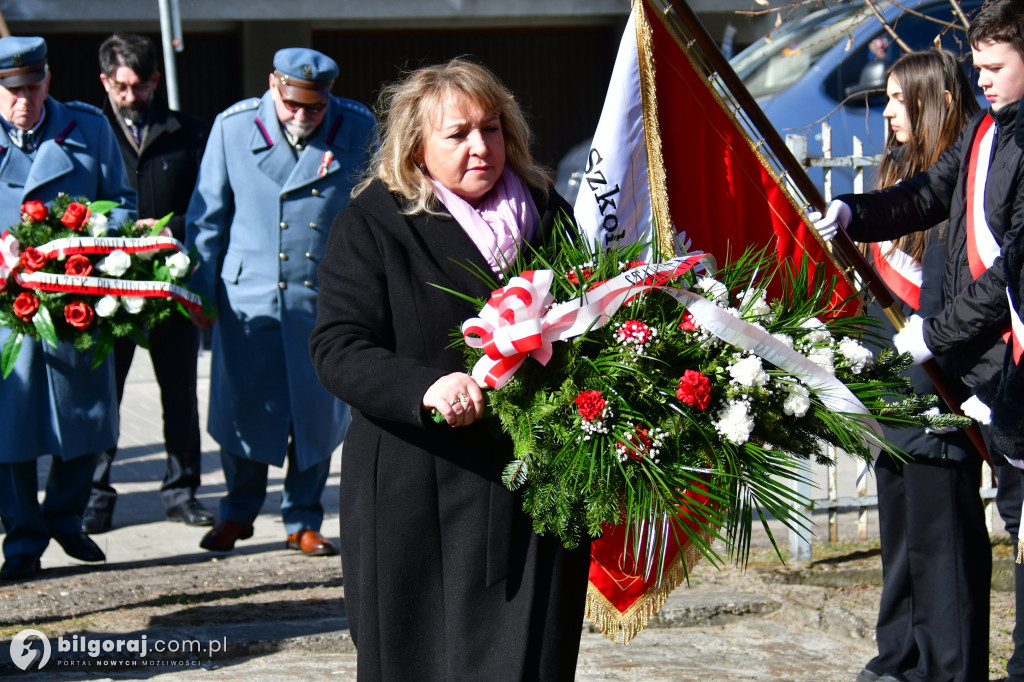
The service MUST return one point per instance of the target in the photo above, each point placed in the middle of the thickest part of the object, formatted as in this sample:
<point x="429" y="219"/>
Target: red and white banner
<point x="671" y="162"/>
<point x="669" y="151"/>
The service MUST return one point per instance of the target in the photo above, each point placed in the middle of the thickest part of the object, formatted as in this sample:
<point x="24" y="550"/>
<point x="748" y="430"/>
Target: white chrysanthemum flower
<point x="133" y="304"/>
<point x="819" y="332"/>
<point x="823" y="357"/>
<point x="718" y="292"/>
<point x="115" y="263"/>
<point x="758" y="305"/>
<point x="857" y="355"/>
<point x="735" y="422"/>
<point x="748" y="372"/>
<point x="106" y="306"/>
<point x="798" y="401"/>
<point x="785" y="339"/>
<point x="178" y="264"/>
<point x="97" y="225"/>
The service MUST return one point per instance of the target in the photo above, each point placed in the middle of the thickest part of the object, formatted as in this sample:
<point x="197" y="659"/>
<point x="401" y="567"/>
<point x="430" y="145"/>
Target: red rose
<point x="75" y="216"/>
<point x="78" y="266"/>
<point x="694" y="389"/>
<point x="78" y="314"/>
<point x="590" y="405"/>
<point x="33" y="211"/>
<point x="32" y="259"/>
<point x="25" y="305"/>
<point x="687" y="325"/>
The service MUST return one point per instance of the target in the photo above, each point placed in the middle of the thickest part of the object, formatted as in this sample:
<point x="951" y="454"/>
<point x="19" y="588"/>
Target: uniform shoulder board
<point x="244" y="105"/>
<point x="356" y="107"/>
<point x="84" y="106"/>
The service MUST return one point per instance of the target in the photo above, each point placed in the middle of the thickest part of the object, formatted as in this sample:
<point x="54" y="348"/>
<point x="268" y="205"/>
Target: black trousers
<point x="937" y="571"/>
<point x="174" y="350"/>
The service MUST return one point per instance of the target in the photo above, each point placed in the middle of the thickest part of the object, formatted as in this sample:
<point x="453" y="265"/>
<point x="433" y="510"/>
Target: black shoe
<point x="867" y="676"/>
<point x="79" y="546"/>
<point x="95" y="521"/>
<point x="20" y="567"/>
<point x="191" y="513"/>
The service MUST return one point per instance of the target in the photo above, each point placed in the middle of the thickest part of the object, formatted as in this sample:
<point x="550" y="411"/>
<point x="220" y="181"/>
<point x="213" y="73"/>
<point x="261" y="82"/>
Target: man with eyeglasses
<point x="54" y="402"/>
<point x="161" y="150"/>
<point x="275" y="173"/>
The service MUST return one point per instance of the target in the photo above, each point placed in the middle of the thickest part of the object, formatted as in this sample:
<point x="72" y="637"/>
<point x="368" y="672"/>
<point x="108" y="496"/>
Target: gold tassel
<point x="1020" y="551"/>
<point x="620" y="627"/>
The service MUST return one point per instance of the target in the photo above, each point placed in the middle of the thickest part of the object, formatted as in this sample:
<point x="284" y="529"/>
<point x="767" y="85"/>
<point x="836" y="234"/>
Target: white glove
<point x="976" y="410"/>
<point x="910" y="339"/>
<point x="837" y="215"/>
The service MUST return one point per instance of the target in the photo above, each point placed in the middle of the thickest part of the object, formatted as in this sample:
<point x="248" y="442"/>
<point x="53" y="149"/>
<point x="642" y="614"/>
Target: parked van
<point x="830" y="66"/>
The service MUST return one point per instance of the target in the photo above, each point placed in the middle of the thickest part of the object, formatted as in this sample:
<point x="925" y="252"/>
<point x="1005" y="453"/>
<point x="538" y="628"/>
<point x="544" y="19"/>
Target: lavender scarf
<point x="504" y="219"/>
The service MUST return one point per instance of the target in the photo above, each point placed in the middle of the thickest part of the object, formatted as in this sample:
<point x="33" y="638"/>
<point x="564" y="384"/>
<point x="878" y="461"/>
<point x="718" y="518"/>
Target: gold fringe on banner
<point x="622" y="626"/>
<point x="1020" y="551"/>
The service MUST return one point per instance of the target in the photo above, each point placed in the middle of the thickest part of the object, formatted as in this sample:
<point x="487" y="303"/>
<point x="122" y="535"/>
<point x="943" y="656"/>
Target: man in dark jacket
<point x="162" y="150"/>
<point x="979" y="186"/>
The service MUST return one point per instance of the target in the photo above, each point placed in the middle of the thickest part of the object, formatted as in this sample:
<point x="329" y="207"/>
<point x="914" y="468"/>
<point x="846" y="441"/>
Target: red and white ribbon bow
<point x="10" y="256"/>
<point x="516" y="322"/>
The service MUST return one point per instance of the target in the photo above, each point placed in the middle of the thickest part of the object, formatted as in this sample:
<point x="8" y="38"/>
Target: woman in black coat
<point x="444" y="577"/>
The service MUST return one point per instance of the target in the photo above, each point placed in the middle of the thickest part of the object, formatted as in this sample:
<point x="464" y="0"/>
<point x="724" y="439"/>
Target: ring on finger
<point x="453" y="403"/>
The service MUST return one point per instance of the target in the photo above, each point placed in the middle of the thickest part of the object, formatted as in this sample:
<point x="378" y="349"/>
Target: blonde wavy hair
<point x="405" y="109"/>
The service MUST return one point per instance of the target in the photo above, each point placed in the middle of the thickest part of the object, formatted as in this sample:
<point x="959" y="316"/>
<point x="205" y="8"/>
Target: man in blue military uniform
<point x="53" y="403"/>
<point x="275" y="172"/>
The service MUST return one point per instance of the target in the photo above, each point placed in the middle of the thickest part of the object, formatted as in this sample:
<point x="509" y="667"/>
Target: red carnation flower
<point x="639" y="443"/>
<point x="590" y="405"/>
<point x="78" y="314"/>
<point x="587" y="274"/>
<point x="33" y="212"/>
<point x="32" y="259"/>
<point x="75" y="216"/>
<point x="694" y="389"/>
<point x="25" y="305"/>
<point x="634" y="331"/>
<point x="78" y="266"/>
<point x="687" y="325"/>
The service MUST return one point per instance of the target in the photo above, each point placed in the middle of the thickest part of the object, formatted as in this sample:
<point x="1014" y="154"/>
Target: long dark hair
<point x="934" y="126"/>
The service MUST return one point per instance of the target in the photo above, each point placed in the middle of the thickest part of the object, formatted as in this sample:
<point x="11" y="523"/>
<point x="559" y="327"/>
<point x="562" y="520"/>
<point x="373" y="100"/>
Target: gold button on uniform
<point x="283" y="256"/>
<point x="282" y="285"/>
<point x="316" y="192"/>
<point x="313" y="225"/>
<point x="308" y="283"/>
<point x="284" y="225"/>
<point x="309" y="255"/>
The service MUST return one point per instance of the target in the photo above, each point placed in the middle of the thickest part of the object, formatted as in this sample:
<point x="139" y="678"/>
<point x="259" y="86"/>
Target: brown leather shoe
<point x="311" y="543"/>
<point x="222" y="537"/>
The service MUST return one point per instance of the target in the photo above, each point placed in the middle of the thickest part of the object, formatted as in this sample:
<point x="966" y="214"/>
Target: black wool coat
<point x="164" y="170"/>
<point x="444" y="577"/>
<point x="975" y="313"/>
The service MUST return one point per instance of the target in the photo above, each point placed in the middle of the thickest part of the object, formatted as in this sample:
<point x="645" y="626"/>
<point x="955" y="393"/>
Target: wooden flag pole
<point x="842" y="243"/>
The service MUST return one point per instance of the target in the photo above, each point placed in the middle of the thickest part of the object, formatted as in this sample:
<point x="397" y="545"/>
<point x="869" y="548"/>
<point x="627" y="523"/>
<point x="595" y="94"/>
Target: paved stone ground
<point x="281" y="616"/>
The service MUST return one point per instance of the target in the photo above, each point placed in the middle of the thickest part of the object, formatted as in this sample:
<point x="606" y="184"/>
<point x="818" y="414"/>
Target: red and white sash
<point x="982" y="247"/>
<point x="900" y="272"/>
<point x="1016" y="330"/>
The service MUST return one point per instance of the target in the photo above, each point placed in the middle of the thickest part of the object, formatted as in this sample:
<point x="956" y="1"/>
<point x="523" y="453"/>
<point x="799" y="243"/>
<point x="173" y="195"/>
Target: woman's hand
<point x="457" y="397"/>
